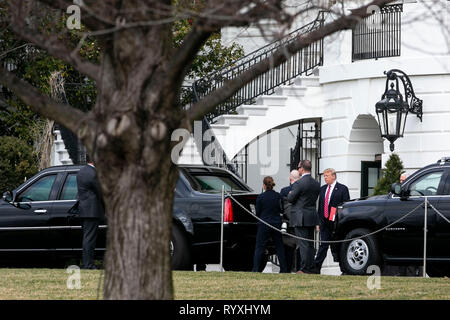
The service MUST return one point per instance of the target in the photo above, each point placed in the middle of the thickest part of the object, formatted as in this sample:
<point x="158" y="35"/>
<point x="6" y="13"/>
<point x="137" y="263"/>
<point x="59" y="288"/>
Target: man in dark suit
<point x="91" y="209"/>
<point x="332" y="194"/>
<point x="290" y="244"/>
<point x="303" y="197"/>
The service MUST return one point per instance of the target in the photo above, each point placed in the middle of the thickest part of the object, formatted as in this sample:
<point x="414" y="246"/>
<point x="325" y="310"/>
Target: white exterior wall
<point x="349" y="90"/>
<point x="279" y="155"/>
<point x="346" y="98"/>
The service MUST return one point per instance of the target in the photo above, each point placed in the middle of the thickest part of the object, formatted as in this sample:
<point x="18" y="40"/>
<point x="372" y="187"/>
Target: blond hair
<point x="330" y="170"/>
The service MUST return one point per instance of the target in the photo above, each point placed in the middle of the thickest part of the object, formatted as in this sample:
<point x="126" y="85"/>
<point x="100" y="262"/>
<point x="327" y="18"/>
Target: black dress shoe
<point x="89" y="268"/>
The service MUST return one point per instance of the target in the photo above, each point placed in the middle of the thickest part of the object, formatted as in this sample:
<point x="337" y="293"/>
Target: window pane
<point x="70" y="189"/>
<point x="39" y="190"/>
<point x="426" y="185"/>
<point x="214" y="183"/>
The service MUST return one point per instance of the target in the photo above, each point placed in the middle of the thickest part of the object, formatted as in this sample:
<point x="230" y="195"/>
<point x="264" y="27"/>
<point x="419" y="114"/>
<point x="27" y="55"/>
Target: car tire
<point x="180" y="250"/>
<point x="357" y="255"/>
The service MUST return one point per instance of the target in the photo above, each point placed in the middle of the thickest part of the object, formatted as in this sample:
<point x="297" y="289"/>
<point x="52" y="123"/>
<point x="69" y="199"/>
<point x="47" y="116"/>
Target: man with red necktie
<point x="332" y="194"/>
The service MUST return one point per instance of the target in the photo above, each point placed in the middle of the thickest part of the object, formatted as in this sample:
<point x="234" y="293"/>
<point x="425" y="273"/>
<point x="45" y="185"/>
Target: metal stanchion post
<point x="425" y="239"/>
<point x="221" y="231"/>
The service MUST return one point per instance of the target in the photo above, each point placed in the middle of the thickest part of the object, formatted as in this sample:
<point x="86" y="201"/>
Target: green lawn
<point x="52" y="284"/>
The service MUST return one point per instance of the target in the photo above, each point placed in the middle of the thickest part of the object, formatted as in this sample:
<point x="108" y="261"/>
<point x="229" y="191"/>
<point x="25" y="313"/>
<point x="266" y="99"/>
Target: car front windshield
<point x="213" y="183"/>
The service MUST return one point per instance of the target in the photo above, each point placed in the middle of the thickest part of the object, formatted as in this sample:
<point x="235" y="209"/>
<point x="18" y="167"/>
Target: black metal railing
<point x="308" y="145"/>
<point x="378" y="35"/>
<point x="302" y="62"/>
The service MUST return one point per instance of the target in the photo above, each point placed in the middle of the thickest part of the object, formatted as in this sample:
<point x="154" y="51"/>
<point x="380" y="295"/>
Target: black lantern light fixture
<point x="393" y="107"/>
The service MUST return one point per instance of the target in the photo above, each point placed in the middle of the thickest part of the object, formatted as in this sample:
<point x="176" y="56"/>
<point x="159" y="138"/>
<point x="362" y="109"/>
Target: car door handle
<point x="40" y="211"/>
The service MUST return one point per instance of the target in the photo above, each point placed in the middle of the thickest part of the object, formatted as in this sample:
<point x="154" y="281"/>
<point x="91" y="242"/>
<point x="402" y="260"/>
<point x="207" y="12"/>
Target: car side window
<point x="427" y="185"/>
<point x="39" y="190"/>
<point x="70" y="188"/>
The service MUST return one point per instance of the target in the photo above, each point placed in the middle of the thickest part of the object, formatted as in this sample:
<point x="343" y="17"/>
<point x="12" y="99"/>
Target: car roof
<point x="196" y="169"/>
<point x="61" y="168"/>
<point x="203" y="168"/>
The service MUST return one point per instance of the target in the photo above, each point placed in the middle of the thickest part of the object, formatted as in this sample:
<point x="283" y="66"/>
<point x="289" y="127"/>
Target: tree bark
<point x="139" y="206"/>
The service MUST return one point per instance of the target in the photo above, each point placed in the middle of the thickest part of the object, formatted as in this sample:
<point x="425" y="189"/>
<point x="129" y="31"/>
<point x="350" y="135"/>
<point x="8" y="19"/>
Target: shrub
<point x="390" y="174"/>
<point x="17" y="162"/>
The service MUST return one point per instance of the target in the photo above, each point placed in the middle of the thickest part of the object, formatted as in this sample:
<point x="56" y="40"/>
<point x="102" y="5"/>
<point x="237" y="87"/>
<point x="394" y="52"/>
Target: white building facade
<point x="343" y="95"/>
<point x="336" y="103"/>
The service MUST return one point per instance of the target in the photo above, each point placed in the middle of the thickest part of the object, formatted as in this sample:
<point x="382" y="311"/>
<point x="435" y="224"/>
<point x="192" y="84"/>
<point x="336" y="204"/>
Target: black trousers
<point x="263" y="235"/>
<point x="306" y="248"/>
<point x="325" y="235"/>
<point x="90" y="230"/>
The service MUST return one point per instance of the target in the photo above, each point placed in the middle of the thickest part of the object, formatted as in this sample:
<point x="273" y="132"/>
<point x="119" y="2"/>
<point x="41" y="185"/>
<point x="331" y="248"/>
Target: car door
<point x="405" y="239"/>
<point x="24" y="226"/>
<point x="60" y="224"/>
<point x="440" y="243"/>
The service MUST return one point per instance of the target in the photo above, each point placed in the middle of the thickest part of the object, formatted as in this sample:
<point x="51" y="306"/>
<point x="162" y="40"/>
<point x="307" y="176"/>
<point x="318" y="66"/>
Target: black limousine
<point x="36" y="227"/>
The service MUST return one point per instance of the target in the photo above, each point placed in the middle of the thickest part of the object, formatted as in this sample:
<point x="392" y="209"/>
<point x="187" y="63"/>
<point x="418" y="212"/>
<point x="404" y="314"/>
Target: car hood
<point x="379" y="197"/>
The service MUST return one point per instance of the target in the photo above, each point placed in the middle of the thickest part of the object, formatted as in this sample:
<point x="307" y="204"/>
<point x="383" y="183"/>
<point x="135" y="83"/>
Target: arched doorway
<point x="365" y="149"/>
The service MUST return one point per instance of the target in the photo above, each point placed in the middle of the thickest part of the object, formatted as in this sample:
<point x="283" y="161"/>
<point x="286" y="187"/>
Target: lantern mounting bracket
<point x="414" y="103"/>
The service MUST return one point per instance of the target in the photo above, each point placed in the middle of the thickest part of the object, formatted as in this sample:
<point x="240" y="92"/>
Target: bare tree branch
<point x="62" y="113"/>
<point x="209" y="102"/>
<point x="56" y="48"/>
<point x="51" y="43"/>
<point x="184" y="56"/>
<point x="89" y="17"/>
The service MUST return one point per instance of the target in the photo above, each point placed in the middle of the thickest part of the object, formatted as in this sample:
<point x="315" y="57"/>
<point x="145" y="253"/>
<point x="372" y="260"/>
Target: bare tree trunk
<point x="139" y="224"/>
<point x="132" y="150"/>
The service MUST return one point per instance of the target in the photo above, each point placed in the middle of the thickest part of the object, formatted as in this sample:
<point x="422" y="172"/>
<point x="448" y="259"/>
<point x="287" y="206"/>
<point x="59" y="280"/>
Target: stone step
<point x="220" y="129"/>
<point x="272" y="100"/>
<point x="291" y="91"/>
<point x="307" y="81"/>
<point x="252" y="110"/>
<point x="232" y="119"/>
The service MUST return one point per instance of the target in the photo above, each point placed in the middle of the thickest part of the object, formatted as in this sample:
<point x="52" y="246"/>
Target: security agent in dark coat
<point x="303" y="197"/>
<point x="269" y="207"/>
<point x="290" y="243"/>
<point x="337" y="195"/>
<point x="91" y="209"/>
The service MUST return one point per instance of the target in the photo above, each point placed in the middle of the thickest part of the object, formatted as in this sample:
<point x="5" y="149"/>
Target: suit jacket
<point x="303" y="198"/>
<point x="286" y="204"/>
<point x="339" y="195"/>
<point x="90" y="196"/>
<point x="269" y="206"/>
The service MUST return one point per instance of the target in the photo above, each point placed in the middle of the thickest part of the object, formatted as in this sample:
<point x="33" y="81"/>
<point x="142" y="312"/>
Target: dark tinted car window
<point x="39" y="190"/>
<point x="447" y="186"/>
<point x="213" y="183"/>
<point x="70" y="189"/>
<point x="426" y="185"/>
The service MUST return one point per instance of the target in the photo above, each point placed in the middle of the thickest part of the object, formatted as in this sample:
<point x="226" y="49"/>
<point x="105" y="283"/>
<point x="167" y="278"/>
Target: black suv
<point x="36" y="227"/>
<point x="402" y="243"/>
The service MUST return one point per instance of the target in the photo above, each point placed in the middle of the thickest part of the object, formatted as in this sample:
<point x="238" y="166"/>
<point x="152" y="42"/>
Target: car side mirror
<point x="396" y="189"/>
<point x="400" y="191"/>
<point x="25" y="206"/>
<point x="8" y="196"/>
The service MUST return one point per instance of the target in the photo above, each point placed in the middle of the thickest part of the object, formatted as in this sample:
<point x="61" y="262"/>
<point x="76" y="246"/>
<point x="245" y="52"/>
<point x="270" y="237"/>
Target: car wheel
<point x="357" y="255"/>
<point x="180" y="250"/>
<point x="438" y="271"/>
